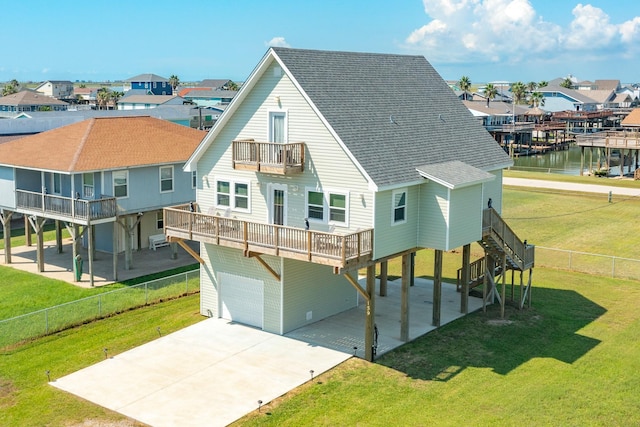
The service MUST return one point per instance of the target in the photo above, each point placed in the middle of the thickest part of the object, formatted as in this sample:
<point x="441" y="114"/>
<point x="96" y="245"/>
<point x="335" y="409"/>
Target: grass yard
<point x="27" y="400"/>
<point x="18" y="238"/>
<point x="571" y="360"/>
<point x="627" y="183"/>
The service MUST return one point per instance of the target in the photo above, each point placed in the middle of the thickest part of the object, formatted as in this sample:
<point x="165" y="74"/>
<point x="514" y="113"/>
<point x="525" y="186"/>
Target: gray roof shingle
<point x="393" y="112"/>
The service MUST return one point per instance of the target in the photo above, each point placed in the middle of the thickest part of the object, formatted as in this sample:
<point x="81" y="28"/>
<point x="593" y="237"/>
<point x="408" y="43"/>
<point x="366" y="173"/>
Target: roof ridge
<point x="80" y="147"/>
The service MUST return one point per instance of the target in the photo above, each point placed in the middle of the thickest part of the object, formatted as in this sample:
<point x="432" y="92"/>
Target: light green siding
<point x="220" y="259"/>
<point x="434" y="216"/>
<point x="313" y="290"/>
<point x="392" y="238"/>
<point x="493" y="190"/>
<point x="465" y="219"/>
<point x="327" y="165"/>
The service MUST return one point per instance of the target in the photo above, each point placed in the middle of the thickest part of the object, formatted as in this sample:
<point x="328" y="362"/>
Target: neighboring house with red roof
<point x="30" y="100"/>
<point x="109" y="176"/>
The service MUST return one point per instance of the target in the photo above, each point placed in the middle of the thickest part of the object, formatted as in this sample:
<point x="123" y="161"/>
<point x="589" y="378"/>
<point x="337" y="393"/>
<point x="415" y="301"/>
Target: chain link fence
<point x="63" y="316"/>
<point x="603" y="265"/>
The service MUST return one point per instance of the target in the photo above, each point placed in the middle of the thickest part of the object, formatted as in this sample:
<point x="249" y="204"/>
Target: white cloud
<point x="511" y="31"/>
<point x="277" y="42"/>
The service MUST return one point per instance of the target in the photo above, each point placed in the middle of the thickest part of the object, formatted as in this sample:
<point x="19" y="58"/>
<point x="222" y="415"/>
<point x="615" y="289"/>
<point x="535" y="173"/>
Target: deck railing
<point x="523" y="255"/>
<point x="80" y="209"/>
<point x="338" y="250"/>
<point x="268" y="157"/>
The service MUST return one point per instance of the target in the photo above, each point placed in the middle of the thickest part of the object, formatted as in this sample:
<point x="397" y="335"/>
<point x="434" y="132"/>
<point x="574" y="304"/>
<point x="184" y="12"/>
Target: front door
<point x="278" y="214"/>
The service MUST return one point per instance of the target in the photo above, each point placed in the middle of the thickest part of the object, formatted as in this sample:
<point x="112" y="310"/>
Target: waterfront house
<point x="326" y="164"/>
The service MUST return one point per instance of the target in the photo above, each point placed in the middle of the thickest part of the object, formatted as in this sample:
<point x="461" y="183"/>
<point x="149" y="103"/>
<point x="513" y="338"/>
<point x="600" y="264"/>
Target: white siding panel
<point x="493" y="190"/>
<point x="465" y="225"/>
<point x="311" y="292"/>
<point x="390" y="239"/>
<point x="231" y="261"/>
<point x="434" y="216"/>
<point x="327" y="165"/>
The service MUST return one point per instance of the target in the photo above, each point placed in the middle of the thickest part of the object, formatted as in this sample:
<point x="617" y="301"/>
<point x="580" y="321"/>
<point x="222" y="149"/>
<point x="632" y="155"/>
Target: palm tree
<point x="465" y="85"/>
<point x="174" y="81"/>
<point x="115" y="96"/>
<point x="567" y="83"/>
<point x="532" y="86"/>
<point x="232" y="86"/>
<point x="490" y="91"/>
<point x="536" y="99"/>
<point x="543" y="83"/>
<point x="518" y="91"/>
<point x="103" y="96"/>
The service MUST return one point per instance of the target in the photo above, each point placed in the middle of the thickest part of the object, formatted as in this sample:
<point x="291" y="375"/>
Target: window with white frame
<point x="166" y="179"/>
<point x="230" y="194"/>
<point x="327" y="206"/>
<point x="399" y="208"/>
<point x="277" y="126"/>
<point x="194" y="179"/>
<point x="160" y="220"/>
<point x="121" y="183"/>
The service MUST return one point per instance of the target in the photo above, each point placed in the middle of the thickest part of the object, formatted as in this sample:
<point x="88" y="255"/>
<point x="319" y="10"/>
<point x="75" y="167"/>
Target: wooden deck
<point x="79" y="211"/>
<point x="268" y="157"/>
<point x="341" y="251"/>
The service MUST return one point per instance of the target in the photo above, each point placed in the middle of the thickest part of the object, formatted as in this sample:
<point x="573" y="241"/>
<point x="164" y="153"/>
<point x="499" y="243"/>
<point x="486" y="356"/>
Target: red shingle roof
<point x="103" y="143"/>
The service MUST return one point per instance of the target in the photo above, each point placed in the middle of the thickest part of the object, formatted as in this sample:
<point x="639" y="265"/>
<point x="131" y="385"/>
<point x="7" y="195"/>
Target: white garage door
<point x="242" y="299"/>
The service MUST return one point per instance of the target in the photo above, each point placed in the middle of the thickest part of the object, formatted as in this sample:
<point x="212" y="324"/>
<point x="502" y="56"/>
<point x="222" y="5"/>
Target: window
<point x="223" y="196"/>
<point x="194" y="179"/>
<point x="120" y="184"/>
<point x="277" y="127"/>
<point x="166" y="179"/>
<point x="233" y="195"/>
<point x="56" y="183"/>
<point x="87" y="185"/>
<point x="160" y="220"/>
<point x="399" y="200"/>
<point x="327" y="206"/>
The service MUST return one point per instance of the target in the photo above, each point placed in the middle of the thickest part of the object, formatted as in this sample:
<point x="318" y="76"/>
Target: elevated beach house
<point x="326" y="164"/>
<point x="106" y="179"/>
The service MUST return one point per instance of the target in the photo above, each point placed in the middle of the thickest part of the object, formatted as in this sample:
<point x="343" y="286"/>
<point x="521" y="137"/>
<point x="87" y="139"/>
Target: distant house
<point x="59" y="89"/>
<point x="558" y="98"/>
<point x="215" y="84"/>
<point x="30" y="100"/>
<point x="145" y="102"/>
<point x="86" y="95"/>
<point x="107" y="179"/>
<point x="329" y="163"/>
<point x="205" y="97"/>
<point x="152" y="84"/>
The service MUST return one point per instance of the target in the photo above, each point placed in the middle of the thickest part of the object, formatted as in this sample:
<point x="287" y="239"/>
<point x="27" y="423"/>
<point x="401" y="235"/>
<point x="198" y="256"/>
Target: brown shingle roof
<point x="103" y="143"/>
<point x="29" y="97"/>
<point x="632" y="119"/>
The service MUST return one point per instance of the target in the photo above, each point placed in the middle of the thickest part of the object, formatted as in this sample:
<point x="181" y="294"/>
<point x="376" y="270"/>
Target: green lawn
<point x="27" y="400"/>
<point x="571" y="360"/>
<point x="628" y="183"/>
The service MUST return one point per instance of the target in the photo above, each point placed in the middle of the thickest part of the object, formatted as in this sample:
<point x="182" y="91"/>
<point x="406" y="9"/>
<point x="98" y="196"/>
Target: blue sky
<point x="487" y="40"/>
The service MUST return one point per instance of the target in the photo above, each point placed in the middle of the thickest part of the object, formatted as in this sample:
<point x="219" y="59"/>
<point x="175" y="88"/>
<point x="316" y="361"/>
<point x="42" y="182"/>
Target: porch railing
<point x="268" y="157"/>
<point x="522" y="254"/>
<point x="49" y="204"/>
<point x="338" y="250"/>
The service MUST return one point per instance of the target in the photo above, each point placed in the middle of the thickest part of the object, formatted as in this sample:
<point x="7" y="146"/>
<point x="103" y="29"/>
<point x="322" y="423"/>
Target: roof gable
<point x="102" y="144"/>
<point x="29" y="97"/>
<point x="147" y="78"/>
<point x="392" y="113"/>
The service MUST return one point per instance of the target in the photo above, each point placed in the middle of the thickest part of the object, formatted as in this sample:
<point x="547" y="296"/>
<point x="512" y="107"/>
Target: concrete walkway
<point x="569" y="186"/>
<point x="208" y="374"/>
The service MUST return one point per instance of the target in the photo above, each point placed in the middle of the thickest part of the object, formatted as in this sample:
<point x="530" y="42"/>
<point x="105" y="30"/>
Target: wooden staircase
<point x="504" y="251"/>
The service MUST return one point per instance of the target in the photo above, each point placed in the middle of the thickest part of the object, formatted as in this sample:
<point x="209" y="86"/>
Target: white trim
<point x="161" y="179"/>
<point x="271" y="188"/>
<point x="232" y="194"/>
<point x="271" y="113"/>
<point x="393" y="206"/>
<point x="113" y="183"/>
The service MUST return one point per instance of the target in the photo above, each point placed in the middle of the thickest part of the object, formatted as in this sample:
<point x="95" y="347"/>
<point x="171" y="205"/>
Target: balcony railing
<point x="66" y="207"/>
<point x="268" y="157"/>
<point x="338" y="250"/>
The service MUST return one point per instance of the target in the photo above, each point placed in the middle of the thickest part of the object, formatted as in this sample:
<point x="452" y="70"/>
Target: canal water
<point x="565" y="162"/>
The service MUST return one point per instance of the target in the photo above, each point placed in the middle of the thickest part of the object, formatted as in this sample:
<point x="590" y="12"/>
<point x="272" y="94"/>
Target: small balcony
<point x="79" y="211"/>
<point x="342" y="251"/>
<point x="268" y="157"/>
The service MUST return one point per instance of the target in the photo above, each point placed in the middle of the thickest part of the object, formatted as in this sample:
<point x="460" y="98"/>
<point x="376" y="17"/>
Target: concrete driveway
<point x="208" y="374"/>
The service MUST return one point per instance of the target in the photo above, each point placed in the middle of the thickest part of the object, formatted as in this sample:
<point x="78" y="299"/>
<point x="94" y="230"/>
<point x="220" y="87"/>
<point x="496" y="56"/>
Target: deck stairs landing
<point x="504" y="251"/>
